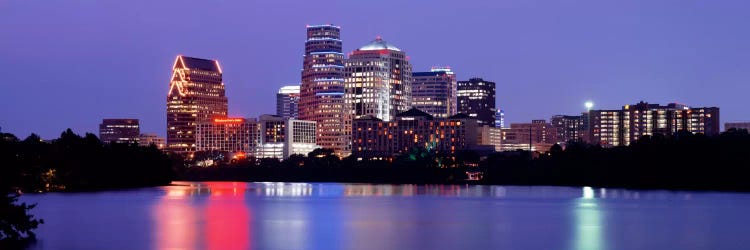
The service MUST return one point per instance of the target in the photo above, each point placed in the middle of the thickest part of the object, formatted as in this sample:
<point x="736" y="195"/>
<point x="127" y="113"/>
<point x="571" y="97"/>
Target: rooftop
<point x="379" y="44"/>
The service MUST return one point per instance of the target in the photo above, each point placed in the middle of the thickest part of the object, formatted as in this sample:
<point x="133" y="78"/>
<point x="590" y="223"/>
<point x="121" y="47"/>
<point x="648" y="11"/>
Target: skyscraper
<point x="196" y="95"/>
<point x="476" y="98"/>
<point x="322" y="90"/>
<point x="119" y="131"/>
<point x="287" y="102"/>
<point x="434" y="92"/>
<point x="378" y="81"/>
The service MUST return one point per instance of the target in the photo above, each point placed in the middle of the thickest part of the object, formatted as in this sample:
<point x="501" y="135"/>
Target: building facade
<point x="322" y="89"/>
<point x="281" y="137"/>
<point x="491" y="136"/>
<point x="119" y="131"/>
<point x="196" y="95"/>
<point x="569" y="128"/>
<point x="535" y="136"/>
<point x="373" y="137"/>
<point x="378" y="81"/>
<point x="234" y="135"/>
<point x="476" y="98"/>
<point x="621" y="127"/>
<point x="287" y="102"/>
<point x="500" y="118"/>
<point x="148" y="139"/>
<point x="434" y="92"/>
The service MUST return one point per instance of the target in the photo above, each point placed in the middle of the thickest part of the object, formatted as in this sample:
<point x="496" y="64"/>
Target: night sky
<point x="71" y="63"/>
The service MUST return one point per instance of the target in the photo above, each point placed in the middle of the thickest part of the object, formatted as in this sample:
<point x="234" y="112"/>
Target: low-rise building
<point x="119" y="131"/>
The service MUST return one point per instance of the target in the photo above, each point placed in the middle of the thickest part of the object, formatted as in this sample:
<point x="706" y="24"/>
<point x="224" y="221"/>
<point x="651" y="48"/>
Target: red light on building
<point x="228" y="120"/>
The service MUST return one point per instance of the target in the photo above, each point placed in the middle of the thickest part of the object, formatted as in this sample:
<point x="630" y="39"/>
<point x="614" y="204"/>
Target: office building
<point x="287" y="101"/>
<point x="476" y="98"/>
<point x="228" y="134"/>
<point x="149" y="138"/>
<point x="373" y="137"/>
<point x="491" y="136"/>
<point x="281" y="137"/>
<point x="322" y="88"/>
<point x="500" y="118"/>
<point x="434" y="92"/>
<point x="536" y="136"/>
<point x="119" y="131"/>
<point x="621" y="127"/>
<point x="378" y="81"/>
<point x="196" y="95"/>
<point x="569" y="128"/>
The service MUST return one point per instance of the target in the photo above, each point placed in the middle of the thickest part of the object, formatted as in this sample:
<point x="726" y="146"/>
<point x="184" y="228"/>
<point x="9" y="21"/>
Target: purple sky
<point x="71" y="63"/>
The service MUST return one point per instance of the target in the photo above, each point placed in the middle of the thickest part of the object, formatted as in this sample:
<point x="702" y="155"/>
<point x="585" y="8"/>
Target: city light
<point x="589" y="105"/>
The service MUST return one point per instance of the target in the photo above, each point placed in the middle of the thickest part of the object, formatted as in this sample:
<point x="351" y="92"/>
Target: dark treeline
<point x="76" y="163"/>
<point x="322" y="165"/>
<point x="680" y="161"/>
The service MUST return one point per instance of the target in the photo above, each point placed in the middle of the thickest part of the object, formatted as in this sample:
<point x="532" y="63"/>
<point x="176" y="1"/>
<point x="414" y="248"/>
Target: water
<point x="227" y="215"/>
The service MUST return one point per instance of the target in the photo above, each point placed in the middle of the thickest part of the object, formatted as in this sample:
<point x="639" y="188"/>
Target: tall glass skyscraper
<point x="322" y="89"/>
<point x="287" y="102"/>
<point x="434" y="92"/>
<point x="476" y="98"/>
<point x="378" y="81"/>
<point x="196" y="95"/>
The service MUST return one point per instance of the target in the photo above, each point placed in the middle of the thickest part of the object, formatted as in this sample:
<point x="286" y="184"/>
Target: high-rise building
<point x="434" y="92"/>
<point x="737" y="125"/>
<point x="234" y="135"/>
<point x="378" y="81"/>
<point x="196" y="95"/>
<point x="149" y="138"/>
<point x="322" y="90"/>
<point x="373" y="137"/>
<point x="119" y="130"/>
<point x="621" y="127"/>
<point x="476" y="98"/>
<point x="500" y="118"/>
<point x="287" y="101"/>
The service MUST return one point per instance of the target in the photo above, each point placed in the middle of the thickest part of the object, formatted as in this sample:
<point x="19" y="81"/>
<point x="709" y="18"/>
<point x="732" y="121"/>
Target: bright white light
<point x="588" y="193"/>
<point x="589" y="105"/>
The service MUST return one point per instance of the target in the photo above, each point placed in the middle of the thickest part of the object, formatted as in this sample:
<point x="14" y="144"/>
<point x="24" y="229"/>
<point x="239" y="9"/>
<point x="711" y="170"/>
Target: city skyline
<point x="676" y="59"/>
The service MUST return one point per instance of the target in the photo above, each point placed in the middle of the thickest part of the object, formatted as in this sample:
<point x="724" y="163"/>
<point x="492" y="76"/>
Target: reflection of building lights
<point x="588" y="193"/>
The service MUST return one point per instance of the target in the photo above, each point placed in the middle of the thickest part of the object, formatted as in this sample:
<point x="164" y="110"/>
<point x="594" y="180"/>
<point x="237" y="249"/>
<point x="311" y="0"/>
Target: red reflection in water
<point x="223" y="222"/>
<point x="227" y="217"/>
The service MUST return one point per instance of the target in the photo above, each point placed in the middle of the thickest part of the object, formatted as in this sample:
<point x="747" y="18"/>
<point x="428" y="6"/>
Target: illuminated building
<point x="281" y="137"/>
<point x="378" y="81"/>
<point x="434" y="92"/>
<point x="621" y="127"/>
<point x="322" y="90"/>
<point x="196" y="95"/>
<point x="492" y="136"/>
<point x="569" y="127"/>
<point x="500" y="118"/>
<point x="148" y="139"/>
<point x="234" y="135"/>
<point x="373" y="137"/>
<point x="535" y="136"/>
<point x="287" y="102"/>
<point x="476" y="98"/>
<point x="119" y="130"/>
<point x="737" y="125"/>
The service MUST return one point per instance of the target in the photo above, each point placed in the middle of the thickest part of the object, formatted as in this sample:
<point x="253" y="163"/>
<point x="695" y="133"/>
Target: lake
<point x="238" y="215"/>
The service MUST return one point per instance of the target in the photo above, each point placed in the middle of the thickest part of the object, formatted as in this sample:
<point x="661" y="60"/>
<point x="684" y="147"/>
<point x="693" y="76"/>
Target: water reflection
<point x="222" y="222"/>
<point x="588" y="227"/>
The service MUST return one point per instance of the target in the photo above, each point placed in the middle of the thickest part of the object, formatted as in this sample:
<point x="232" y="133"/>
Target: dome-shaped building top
<point x="379" y="44"/>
